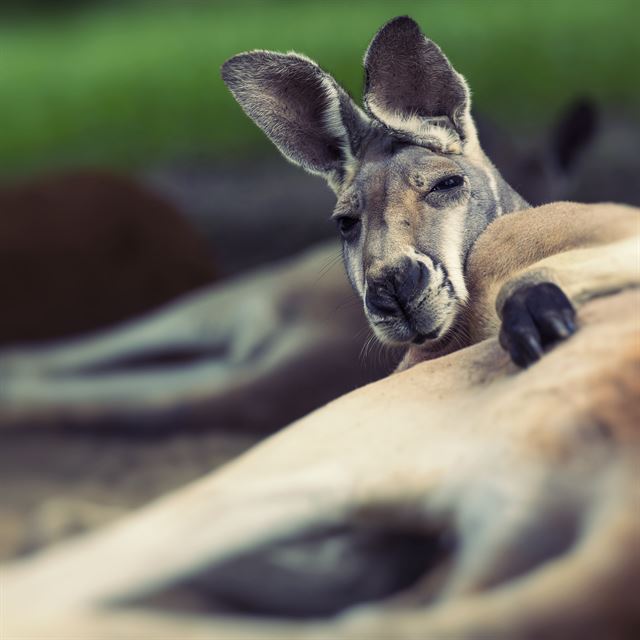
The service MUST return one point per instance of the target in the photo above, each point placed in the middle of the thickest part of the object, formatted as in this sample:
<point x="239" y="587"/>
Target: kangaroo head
<point x="414" y="190"/>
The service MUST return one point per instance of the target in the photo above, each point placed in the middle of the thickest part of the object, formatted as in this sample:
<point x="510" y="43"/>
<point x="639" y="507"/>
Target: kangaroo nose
<point x="380" y="301"/>
<point x="391" y="294"/>
<point x="409" y="280"/>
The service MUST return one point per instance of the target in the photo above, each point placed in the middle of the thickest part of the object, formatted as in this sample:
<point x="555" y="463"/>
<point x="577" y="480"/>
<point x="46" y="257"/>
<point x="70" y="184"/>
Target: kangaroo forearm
<point x="583" y="274"/>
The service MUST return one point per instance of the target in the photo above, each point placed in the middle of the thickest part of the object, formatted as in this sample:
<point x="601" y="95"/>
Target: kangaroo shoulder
<point x="514" y="241"/>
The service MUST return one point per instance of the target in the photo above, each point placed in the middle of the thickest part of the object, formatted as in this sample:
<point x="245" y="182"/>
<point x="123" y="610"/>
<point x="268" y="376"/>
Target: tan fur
<point x="586" y="249"/>
<point x="466" y="441"/>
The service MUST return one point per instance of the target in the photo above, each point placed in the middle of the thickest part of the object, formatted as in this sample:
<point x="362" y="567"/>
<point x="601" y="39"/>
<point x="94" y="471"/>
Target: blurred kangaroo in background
<point x="84" y="249"/>
<point x="546" y="168"/>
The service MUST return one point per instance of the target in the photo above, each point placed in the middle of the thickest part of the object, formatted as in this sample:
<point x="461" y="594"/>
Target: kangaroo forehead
<point x="380" y="144"/>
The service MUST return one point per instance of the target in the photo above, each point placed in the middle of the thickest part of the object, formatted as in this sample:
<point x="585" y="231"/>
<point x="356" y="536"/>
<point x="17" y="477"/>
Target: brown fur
<point x="83" y="250"/>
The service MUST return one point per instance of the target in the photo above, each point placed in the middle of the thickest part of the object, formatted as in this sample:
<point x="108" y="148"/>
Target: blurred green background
<point x="133" y="84"/>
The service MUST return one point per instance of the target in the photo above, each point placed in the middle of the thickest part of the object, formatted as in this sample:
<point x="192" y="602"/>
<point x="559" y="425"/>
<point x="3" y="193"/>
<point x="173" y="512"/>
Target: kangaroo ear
<point x="575" y="130"/>
<point x="411" y="87"/>
<point x="302" y="109"/>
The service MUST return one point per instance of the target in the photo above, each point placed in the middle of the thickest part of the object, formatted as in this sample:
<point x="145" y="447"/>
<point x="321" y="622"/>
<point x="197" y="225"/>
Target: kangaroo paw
<point x="534" y="317"/>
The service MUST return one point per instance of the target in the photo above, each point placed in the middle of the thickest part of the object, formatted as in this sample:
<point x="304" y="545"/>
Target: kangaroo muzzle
<point x="392" y="292"/>
<point x="404" y="301"/>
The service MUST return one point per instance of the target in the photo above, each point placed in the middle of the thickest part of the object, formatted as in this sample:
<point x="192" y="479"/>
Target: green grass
<point x="140" y="84"/>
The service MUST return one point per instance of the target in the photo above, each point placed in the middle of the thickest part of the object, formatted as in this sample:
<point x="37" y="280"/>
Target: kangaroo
<point x="414" y="189"/>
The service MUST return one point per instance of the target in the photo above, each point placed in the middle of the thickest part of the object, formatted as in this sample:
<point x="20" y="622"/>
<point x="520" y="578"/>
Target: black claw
<point x="534" y="317"/>
<point x="526" y="351"/>
<point x="533" y="348"/>
<point x="558" y="326"/>
<point x="569" y="316"/>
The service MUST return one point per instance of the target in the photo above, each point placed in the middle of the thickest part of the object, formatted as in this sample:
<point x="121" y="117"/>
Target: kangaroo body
<point x="585" y="250"/>
<point x="538" y="496"/>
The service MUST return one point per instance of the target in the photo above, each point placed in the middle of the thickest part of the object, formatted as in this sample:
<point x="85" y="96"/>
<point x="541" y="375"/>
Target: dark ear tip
<point x="586" y="109"/>
<point x="576" y="128"/>
<point x="254" y="63"/>
<point x="396" y="30"/>
<point x="230" y="67"/>
<point x="402" y="21"/>
<point x="400" y="24"/>
<point x="399" y="21"/>
<point x="246" y="65"/>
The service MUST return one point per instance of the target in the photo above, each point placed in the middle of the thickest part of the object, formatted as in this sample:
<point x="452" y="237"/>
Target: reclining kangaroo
<point x="414" y="190"/>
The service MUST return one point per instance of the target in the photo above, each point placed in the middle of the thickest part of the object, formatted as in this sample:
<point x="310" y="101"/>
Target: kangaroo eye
<point x="448" y="183"/>
<point x="347" y="226"/>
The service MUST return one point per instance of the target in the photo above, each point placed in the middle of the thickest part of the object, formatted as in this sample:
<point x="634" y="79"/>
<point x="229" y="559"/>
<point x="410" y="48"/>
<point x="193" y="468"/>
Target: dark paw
<point x="534" y="317"/>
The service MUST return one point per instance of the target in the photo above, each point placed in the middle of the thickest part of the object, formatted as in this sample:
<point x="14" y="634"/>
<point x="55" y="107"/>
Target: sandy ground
<point x="53" y="485"/>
